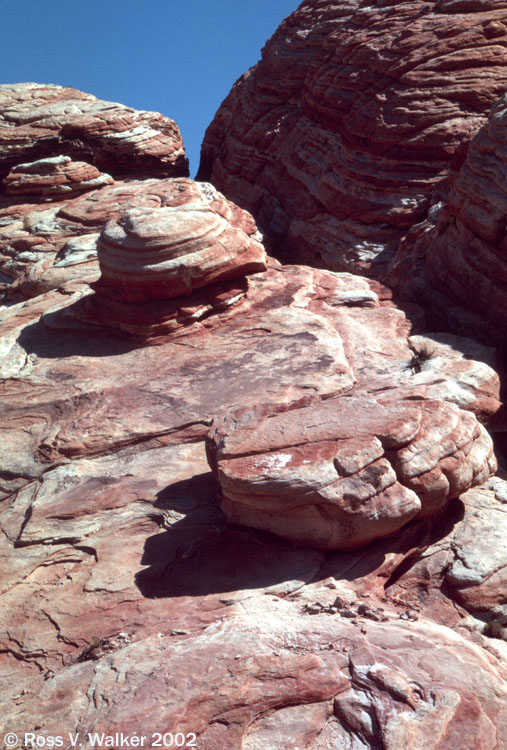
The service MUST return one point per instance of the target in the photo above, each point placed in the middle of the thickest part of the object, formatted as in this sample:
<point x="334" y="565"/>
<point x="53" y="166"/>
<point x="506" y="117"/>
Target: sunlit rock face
<point x="43" y="120"/>
<point x="353" y="119"/>
<point x="178" y="254"/>
<point x="347" y="471"/>
<point x="128" y="603"/>
<point x="58" y="146"/>
<point x="190" y="238"/>
<point x="57" y="175"/>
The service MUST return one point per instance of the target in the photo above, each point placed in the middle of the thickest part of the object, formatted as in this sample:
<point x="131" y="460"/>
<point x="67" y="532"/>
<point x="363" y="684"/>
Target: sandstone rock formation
<point x="344" y="134"/>
<point x="42" y="120"/>
<point x="339" y="474"/>
<point x="465" y="252"/>
<point x="56" y="143"/>
<point x="128" y="602"/>
<point x="55" y="175"/>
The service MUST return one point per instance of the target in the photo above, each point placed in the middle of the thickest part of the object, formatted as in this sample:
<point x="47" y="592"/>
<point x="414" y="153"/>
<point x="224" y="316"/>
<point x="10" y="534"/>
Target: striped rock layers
<point x="43" y="120"/>
<point x="349" y="470"/>
<point x="181" y="256"/>
<point x="466" y="251"/>
<point x="338" y="138"/>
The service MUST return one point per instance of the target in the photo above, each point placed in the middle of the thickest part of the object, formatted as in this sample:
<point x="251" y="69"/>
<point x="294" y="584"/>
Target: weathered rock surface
<point x="56" y="143"/>
<point x="355" y="116"/>
<point x="55" y="175"/>
<point x="339" y="474"/>
<point x="173" y="249"/>
<point x="465" y="251"/>
<point x="42" y="120"/>
<point x="128" y="603"/>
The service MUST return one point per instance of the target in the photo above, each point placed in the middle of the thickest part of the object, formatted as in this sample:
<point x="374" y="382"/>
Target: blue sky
<point x="178" y="57"/>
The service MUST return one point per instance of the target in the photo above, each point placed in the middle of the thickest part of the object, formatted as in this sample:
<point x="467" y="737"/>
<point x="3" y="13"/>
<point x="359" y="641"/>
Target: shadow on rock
<point x="201" y="554"/>
<point x="54" y="338"/>
<point x="404" y="548"/>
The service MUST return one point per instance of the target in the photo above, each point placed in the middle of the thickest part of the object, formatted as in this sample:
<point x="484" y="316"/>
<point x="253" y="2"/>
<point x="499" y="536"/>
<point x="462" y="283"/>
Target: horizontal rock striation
<point x="465" y="253"/>
<point x="339" y="474"/>
<point x="354" y="118"/>
<point x="192" y="239"/>
<point x="41" y="120"/>
<point x="128" y="604"/>
<point x="57" y="175"/>
<point x="56" y="144"/>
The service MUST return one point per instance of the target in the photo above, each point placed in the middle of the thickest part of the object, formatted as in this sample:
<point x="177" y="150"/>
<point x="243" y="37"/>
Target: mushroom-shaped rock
<point x="56" y="175"/>
<point x="346" y="471"/>
<point x="168" y="251"/>
<point x="175" y="257"/>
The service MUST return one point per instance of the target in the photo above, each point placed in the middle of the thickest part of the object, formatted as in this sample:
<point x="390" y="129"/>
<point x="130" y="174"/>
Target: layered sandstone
<point x="41" y="120"/>
<point x="128" y="602"/>
<point x="55" y="144"/>
<point x="57" y="175"/>
<point x="347" y="130"/>
<point x="466" y="252"/>
<point x="171" y="250"/>
<point x="339" y="474"/>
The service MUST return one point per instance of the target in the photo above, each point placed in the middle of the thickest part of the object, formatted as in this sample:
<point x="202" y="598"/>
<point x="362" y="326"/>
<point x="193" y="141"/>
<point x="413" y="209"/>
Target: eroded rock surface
<point x="339" y="474"/>
<point x="465" y="253"/>
<point x="55" y="144"/>
<point x="344" y="134"/>
<point x="128" y="602"/>
<point x="43" y="120"/>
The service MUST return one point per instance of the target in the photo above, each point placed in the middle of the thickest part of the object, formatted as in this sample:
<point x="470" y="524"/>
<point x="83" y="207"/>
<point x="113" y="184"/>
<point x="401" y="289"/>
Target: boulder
<point x="347" y="471"/>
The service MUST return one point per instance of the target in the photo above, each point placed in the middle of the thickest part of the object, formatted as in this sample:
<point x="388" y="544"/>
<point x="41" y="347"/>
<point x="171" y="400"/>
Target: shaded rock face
<point x="466" y="252"/>
<point x="129" y="604"/>
<point x="346" y="131"/>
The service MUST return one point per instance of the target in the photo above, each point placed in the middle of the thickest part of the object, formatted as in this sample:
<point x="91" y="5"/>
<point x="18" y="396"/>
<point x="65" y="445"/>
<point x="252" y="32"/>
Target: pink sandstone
<point x="339" y="138"/>
<point x="129" y="604"/>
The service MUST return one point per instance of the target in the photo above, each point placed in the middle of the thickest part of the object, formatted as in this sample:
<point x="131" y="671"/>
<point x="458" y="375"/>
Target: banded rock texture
<point x="340" y="138"/>
<point x="55" y="175"/>
<point x="127" y="602"/>
<point x="55" y="144"/>
<point x="466" y="251"/>
<point x="186" y="237"/>
<point x="44" y="120"/>
<point x="339" y="474"/>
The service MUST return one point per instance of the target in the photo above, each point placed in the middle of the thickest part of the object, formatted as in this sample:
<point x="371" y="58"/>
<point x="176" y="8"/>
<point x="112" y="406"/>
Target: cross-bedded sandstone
<point x="355" y="115"/>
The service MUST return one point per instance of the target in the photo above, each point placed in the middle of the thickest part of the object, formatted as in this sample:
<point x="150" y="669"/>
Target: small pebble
<point x="347" y="613"/>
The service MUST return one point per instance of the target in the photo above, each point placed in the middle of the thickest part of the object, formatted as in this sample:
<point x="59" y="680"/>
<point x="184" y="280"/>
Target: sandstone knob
<point x="342" y="473"/>
<point x="168" y="251"/>
<point x="57" y="175"/>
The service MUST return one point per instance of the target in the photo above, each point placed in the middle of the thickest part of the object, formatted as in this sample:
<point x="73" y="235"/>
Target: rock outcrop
<point x="128" y="603"/>
<point x="40" y="120"/>
<point x="55" y="144"/>
<point x="350" y="470"/>
<point x="348" y="129"/>
<point x="465" y="253"/>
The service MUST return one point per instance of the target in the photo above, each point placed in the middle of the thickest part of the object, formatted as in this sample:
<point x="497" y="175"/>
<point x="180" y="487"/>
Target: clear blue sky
<point x="178" y="57"/>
